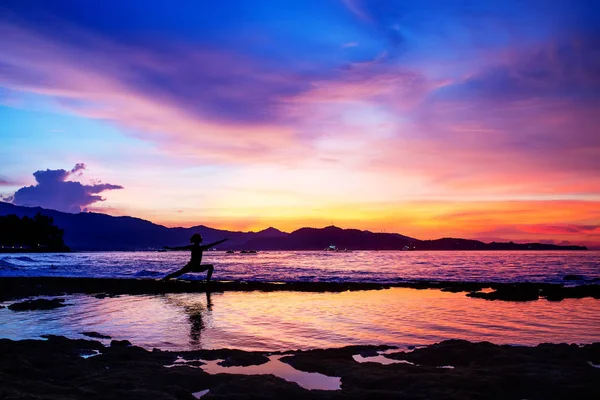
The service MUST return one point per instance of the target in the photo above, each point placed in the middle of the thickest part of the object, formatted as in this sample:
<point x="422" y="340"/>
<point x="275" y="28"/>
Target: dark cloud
<point x="54" y="191"/>
<point x="78" y="168"/>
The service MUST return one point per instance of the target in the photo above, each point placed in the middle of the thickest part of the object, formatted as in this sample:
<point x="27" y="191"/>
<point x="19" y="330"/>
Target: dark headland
<point x="101" y="232"/>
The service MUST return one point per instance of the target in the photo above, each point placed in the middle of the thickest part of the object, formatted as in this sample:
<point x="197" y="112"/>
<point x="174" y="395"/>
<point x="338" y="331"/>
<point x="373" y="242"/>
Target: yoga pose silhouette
<point x="194" y="264"/>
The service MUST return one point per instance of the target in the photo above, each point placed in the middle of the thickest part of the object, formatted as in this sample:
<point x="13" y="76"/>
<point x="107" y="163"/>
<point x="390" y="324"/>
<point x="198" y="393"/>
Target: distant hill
<point x="318" y="239"/>
<point x="94" y="231"/>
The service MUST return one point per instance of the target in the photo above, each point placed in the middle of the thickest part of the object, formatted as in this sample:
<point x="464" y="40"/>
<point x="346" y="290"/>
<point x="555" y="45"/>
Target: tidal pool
<point x="296" y="320"/>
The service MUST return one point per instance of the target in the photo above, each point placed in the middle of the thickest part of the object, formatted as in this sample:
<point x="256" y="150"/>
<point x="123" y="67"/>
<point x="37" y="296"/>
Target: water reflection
<point x="308" y="380"/>
<point x="198" y="314"/>
<point x="295" y="320"/>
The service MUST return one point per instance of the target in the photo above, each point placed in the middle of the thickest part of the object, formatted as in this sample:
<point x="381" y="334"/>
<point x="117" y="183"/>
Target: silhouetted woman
<point x="194" y="264"/>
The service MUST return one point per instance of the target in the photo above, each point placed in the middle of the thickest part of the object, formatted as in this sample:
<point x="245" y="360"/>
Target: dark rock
<point x="510" y="293"/>
<point x="461" y="287"/>
<point x="369" y="353"/>
<point x="1" y="307"/>
<point x="19" y="287"/>
<point x="229" y="357"/>
<point x="37" y="304"/>
<point x="573" y="277"/>
<point x="96" y="335"/>
<point x="244" y="359"/>
<point x="120" y="343"/>
<point x="558" y="293"/>
<point x="196" y="363"/>
<point x="53" y="369"/>
<point x="483" y="370"/>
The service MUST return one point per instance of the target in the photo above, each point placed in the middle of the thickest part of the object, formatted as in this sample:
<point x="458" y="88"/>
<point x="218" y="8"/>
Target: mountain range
<point x="89" y="231"/>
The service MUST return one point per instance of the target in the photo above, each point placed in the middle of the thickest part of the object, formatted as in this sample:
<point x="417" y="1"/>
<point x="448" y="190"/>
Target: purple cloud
<point x="78" y="168"/>
<point x="54" y="191"/>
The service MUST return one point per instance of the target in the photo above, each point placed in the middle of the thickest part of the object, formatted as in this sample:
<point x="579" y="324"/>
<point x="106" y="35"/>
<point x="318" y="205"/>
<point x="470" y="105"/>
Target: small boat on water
<point x="335" y="249"/>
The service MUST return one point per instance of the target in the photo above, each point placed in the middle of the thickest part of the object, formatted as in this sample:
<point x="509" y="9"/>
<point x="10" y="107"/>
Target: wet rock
<point x="510" y="293"/>
<point x="53" y="369"/>
<point x="573" y="277"/>
<point x="19" y="287"/>
<point x="461" y="287"/>
<point x="95" y="335"/>
<point x="37" y="304"/>
<point x="331" y="362"/>
<point x="482" y="370"/>
<point x="229" y="357"/>
<point x="243" y="359"/>
<point x="558" y="293"/>
<point x="369" y="353"/>
<point x="195" y="363"/>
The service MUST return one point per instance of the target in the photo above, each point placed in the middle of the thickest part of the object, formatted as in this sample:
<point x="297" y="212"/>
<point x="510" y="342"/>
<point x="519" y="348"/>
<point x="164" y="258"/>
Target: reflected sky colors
<point x="295" y="320"/>
<point x="430" y="118"/>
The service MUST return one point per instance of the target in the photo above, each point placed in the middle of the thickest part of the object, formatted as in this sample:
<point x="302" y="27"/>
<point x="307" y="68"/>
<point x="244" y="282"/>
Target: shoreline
<point x="454" y="369"/>
<point x="12" y="288"/>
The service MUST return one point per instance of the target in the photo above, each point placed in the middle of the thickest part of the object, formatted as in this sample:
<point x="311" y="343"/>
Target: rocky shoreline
<point x="455" y="369"/>
<point x="12" y="288"/>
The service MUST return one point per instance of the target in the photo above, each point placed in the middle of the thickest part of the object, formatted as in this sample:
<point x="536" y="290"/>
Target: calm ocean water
<point x="291" y="320"/>
<point x="366" y="266"/>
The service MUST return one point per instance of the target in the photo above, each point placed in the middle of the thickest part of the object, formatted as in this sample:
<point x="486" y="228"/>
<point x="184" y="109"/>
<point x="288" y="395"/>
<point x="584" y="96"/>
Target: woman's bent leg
<point x="204" y="267"/>
<point x="209" y="272"/>
<point x="180" y="272"/>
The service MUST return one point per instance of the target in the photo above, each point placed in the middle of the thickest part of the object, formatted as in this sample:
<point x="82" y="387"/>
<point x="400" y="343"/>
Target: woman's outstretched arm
<point x="208" y="246"/>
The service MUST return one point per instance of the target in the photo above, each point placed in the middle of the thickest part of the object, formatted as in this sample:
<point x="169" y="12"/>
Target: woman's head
<point x="196" y="238"/>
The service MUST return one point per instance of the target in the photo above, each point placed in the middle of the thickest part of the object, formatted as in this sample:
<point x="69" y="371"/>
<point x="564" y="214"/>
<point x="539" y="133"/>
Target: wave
<point x="24" y="258"/>
<point x="6" y="265"/>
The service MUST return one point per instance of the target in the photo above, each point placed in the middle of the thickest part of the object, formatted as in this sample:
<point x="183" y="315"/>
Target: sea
<point x="320" y="266"/>
<point x="282" y="320"/>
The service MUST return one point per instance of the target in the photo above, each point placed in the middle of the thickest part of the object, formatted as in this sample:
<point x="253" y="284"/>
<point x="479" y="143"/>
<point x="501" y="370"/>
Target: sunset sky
<point x="475" y="119"/>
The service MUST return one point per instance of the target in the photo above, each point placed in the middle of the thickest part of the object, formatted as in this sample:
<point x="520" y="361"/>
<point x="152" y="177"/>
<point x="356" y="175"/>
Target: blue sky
<point x="245" y="114"/>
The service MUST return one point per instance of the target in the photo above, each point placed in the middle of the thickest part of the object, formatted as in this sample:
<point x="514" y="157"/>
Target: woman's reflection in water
<point x="198" y="313"/>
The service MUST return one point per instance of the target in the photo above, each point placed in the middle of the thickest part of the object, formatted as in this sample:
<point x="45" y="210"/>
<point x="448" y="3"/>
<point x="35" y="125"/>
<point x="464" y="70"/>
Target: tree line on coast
<point x="32" y="234"/>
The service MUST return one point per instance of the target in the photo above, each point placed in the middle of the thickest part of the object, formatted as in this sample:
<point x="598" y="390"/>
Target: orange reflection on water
<point x="293" y="320"/>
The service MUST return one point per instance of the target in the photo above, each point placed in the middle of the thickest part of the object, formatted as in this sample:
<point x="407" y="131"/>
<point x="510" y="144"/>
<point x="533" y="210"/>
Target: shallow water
<point x="295" y="320"/>
<point x="308" y="380"/>
<point x="371" y="266"/>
